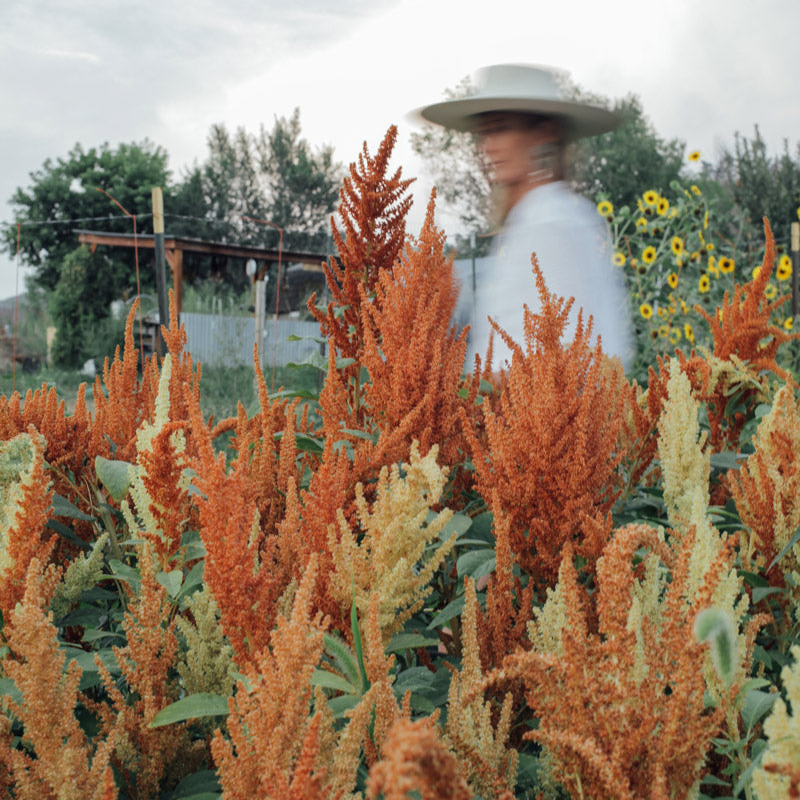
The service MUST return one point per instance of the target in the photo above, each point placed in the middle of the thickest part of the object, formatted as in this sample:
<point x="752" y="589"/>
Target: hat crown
<point x="518" y="80"/>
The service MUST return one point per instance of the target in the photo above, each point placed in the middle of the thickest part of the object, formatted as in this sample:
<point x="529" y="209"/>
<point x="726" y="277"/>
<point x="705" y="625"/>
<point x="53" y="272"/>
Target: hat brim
<point x="579" y="120"/>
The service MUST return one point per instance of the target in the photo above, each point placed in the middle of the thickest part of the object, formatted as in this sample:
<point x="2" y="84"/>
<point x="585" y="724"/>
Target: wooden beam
<point x="198" y="246"/>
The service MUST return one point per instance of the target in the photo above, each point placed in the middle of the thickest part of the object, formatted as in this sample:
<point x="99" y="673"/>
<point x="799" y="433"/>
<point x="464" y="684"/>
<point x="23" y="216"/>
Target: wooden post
<point x="795" y="263"/>
<point x="161" y="270"/>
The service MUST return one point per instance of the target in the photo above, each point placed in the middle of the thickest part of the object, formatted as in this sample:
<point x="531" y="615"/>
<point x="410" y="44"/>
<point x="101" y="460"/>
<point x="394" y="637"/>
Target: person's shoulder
<point x="555" y="203"/>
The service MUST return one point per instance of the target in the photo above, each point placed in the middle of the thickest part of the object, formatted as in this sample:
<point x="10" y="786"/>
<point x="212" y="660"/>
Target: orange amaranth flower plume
<point x="373" y="209"/>
<point x="25" y="497"/>
<point x="274" y="744"/>
<point x="551" y="450"/>
<point x="245" y="568"/>
<point x="622" y="710"/>
<point x="147" y="662"/>
<point x="60" y="762"/>
<point x="745" y="347"/>
<point x="416" y="760"/>
<point x="412" y="354"/>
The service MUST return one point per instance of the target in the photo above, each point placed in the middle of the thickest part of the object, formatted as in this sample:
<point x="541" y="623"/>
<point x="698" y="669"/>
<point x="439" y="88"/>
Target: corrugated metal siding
<point x="219" y="340"/>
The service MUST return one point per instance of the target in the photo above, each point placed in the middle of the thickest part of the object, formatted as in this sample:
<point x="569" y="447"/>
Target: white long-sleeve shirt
<point x="573" y="248"/>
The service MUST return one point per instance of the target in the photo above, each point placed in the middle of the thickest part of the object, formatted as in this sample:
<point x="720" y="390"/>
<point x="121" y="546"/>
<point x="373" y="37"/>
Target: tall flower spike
<point x="412" y="354"/>
<point x="767" y="487"/>
<point x="147" y="663"/>
<point x="622" y="711"/>
<point x="553" y="462"/>
<point x="491" y="764"/>
<point x="373" y="209"/>
<point x="416" y="760"/>
<point x="25" y="507"/>
<point x="779" y="773"/>
<point x="65" y="763"/>
<point x="387" y="556"/>
<point x="274" y="745"/>
<point x="746" y="344"/>
<point x="242" y="568"/>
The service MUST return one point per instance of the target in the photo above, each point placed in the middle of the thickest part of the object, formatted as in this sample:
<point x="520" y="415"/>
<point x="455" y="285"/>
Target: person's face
<point x="509" y="141"/>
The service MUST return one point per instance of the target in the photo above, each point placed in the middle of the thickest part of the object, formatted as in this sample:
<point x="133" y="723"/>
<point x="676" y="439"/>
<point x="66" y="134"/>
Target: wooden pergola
<point x="176" y="246"/>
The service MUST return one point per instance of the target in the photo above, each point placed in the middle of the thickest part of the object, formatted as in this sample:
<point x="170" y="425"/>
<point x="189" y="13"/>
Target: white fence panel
<point x="219" y="340"/>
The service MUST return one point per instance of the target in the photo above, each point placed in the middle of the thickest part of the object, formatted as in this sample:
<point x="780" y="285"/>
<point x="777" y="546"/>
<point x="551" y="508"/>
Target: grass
<point x="221" y="388"/>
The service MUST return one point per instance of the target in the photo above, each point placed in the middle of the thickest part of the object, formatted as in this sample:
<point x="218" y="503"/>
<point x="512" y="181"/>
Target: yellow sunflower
<point x="619" y="259"/>
<point x="704" y="283"/>
<point x="675" y="335"/>
<point x="770" y="291"/>
<point x="696" y="190"/>
<point x="788" y="323"/>
<point x="641" y="223"/>
<point x="677" y="245"/>
<point x="726" y="265"/>
<point x="646" y="310"/>
<point x="710" y="246"/>
<point x="649" y="255"/>
<point x="756" y="272"/>
<point x="688" y="332"/>
<point x="672" y="279"/>
<point x="604" y="208"/>
<point x="694" y="155"/>
<point x="713" y="266"/>
<point x="663" y="331"/>
<point x="663" y="206"/>
<point x="784" y="271"/>
<point x="651" y="198"/>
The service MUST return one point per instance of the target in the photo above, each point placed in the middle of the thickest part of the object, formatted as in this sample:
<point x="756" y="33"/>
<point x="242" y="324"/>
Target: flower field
<point x="550" y="582"/>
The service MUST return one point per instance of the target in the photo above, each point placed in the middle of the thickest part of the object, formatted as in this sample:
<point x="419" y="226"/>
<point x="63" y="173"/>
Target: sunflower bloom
<point x="663" y="206"/>
<point x="677" y="245"/>
<point x="704" y="284"/>
<point x="618" y="259"/>
<point x="696" y="190"/>
<point x="663" y="331"/>
<point x="646" y="310"/>
<point x="672" y="279"/>
<point x="694" y="155"/>
<point x="604" y="208"/>
<point x="641" y="223"/>
<point x="651" y="198"/>
<point x="688" y="333"/>
<point x="726" y="265"/>
<point x="770" y="291"/>
<point x="756" y="272"/>
<point x="784" y="271"/>
<point x="788" y="323"/>
<point x="649" y="255"/>
<point x="713" y="266"/>
<point x="675" y="336"/>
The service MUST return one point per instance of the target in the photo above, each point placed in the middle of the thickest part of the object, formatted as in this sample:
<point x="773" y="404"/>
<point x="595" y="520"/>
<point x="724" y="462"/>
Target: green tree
<point x="627" y="161"/>
<point x="760" y="184"/>
<point x="301" y="184"/>
<point x="80" y="312"/>
<point x="63" y="197"/>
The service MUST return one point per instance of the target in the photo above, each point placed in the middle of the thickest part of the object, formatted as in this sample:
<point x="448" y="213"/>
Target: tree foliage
<point x="63" y="193"/>
<point x="617" y="164"/>
<point x="760" y="184"/>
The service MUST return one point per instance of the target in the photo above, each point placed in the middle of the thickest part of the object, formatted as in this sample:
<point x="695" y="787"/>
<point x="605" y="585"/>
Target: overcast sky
<point x="92" y="71"/>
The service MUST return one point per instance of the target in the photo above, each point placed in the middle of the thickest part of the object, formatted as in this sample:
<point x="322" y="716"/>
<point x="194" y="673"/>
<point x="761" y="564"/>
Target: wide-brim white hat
<point x="523" y="88"/>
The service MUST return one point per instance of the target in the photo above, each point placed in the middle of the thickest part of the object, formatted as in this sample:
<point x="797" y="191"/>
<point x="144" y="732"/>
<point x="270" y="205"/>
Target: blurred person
<point x="524" y="125"/>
